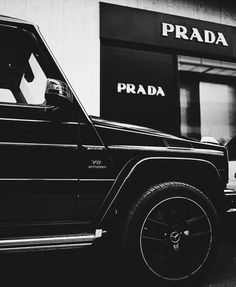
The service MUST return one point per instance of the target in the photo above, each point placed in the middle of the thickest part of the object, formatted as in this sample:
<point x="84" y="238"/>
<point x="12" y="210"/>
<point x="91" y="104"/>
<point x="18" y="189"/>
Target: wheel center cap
<point x="175" y="237"/>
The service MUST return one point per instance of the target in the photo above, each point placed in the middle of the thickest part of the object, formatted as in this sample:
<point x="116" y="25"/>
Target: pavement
<point x="223" y="272"/>
<point x="97" y="267"/>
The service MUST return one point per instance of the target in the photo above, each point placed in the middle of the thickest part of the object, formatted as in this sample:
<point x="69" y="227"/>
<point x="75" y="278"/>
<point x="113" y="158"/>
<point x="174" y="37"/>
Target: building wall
<point x="71" y="28"/>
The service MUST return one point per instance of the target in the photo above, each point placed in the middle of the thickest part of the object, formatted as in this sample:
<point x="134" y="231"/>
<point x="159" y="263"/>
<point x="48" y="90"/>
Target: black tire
<point x="169" y="234"/>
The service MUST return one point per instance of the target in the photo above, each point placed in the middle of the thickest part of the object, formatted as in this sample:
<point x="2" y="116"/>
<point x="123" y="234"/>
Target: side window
<point x="33" y="85"/>
<point x="6" y="96"/>
<point x="22" y="79"/>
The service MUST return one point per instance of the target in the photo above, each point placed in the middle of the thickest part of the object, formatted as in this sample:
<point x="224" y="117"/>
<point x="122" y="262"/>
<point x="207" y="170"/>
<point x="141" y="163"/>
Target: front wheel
<point x="170" y="232"/>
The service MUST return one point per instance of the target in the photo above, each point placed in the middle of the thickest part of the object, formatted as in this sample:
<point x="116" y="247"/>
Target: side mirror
<point x="58" y="93"/>
<point x="59" y="96"/>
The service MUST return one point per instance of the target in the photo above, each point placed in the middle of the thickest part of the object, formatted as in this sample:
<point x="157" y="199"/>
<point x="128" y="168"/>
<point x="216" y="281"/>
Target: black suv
<point x="68" y="178"/>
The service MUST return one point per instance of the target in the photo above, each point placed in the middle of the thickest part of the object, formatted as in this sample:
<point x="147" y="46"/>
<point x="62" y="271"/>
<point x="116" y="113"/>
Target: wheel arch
<point x="142" y="173"/>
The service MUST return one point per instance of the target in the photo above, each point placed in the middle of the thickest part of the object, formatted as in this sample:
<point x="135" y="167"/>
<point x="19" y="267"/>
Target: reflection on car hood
<point x="133" y="128"/>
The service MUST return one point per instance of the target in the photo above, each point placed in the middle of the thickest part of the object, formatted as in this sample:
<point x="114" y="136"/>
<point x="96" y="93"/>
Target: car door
<point x="38" y="163"/>
<point x="38" y="146"/>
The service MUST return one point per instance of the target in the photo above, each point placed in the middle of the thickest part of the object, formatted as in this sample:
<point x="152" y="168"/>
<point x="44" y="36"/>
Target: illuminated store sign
<point x="137" y="26"/>
<point x="140" y="89"/>
<point x="204" y="36"/>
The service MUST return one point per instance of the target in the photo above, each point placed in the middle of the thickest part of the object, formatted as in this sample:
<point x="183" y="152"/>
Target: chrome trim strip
<point x="56" y="179"/>
<point x="44" y="247"/>
<point x="94" y="147"/>
<point x="37" y="179"/>
<point x="38" y="144"/>
<point x="32" y="120"/>
<point x="136" y="130"/>
<point x="24" y="105"/>
<point x="46" y="240"/>
<point x="166" y="149"/>
<point x="126" y="130"/>
<point x="97" y="179"/>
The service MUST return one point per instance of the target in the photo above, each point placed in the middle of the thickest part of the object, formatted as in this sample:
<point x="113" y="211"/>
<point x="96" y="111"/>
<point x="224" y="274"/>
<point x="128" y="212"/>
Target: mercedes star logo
<point x="175" y="237"/>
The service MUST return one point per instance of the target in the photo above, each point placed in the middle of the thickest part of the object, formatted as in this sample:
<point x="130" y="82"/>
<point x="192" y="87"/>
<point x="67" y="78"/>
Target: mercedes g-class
<point x="68" y="179"/>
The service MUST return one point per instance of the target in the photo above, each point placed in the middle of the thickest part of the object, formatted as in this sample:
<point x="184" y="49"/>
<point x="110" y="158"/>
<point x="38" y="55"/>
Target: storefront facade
<point x="167" y="72"/>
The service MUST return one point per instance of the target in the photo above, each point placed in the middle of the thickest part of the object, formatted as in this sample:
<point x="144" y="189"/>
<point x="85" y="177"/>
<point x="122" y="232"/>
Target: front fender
<point x="152" y="170"/>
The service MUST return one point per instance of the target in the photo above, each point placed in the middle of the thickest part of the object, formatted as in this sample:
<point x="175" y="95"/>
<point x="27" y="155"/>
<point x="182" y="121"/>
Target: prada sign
<point x="140" y="89"/>
<point x="180" y="34"/>
<point x="193" y="34"/>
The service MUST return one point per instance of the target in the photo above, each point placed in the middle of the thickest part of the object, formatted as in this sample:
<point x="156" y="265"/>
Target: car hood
<point x="126" y="142"/>
<point x="128" y="127"/>
<point x="117" y="133"/>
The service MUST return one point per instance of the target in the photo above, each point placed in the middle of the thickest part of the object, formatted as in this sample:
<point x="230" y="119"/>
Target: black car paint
<point x="139" y="152"/>
<point x="63" y="172"/>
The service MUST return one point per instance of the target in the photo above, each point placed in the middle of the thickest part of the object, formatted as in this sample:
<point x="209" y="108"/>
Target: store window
<point x="207" y="98"/>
